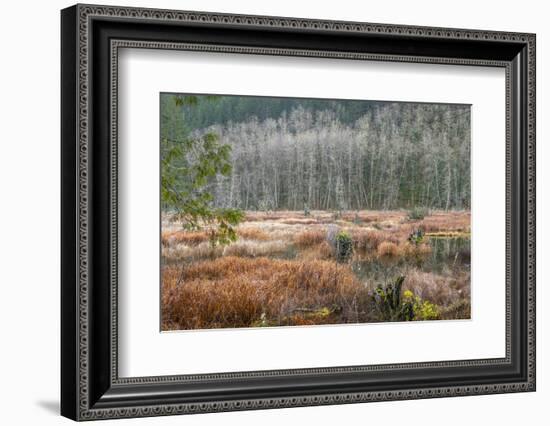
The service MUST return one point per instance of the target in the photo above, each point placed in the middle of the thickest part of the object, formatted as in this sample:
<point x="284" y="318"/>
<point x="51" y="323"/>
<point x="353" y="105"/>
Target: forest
<point x="290" y="211"/>
<point x="331" y="155"/>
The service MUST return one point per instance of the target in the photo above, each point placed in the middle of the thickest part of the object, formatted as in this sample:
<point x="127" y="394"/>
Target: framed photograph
<point x="263" y="212"/>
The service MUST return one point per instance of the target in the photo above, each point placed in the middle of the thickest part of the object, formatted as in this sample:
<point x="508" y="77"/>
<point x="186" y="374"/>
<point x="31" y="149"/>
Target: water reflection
<point x="447" y="252"/>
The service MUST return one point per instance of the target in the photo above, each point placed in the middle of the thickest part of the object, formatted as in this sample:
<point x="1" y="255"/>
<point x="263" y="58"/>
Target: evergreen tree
<point x="188" y="164"/>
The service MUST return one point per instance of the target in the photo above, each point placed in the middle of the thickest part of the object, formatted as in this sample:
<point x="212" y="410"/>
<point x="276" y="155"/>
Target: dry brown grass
<point x="251" y="233"/>
<point x="448" y="234"/>
<point x="233" y="285"/>
<point x="374" y="216"/>
<point x="447" y="221"/>
<point x="165" y="238"/>
<point x="248" y="248"/>
<point x="176" y="253"/>
<point x="406" y="249"/>
<point x="183" y="237"/>
<point x="310" y="238"/>
<point x="370" y="239"/>
<point x="458" y="310"/>
<point x="180" y="252"/>
<point x="252" y="216"/>
<point x="235" y="292"/>
<point x="299" y="221"/>
<point x="439" y="289"/>
<point x="387" y="249"/>
<point x="321" y="251"/>
<point x="192" y="238"/>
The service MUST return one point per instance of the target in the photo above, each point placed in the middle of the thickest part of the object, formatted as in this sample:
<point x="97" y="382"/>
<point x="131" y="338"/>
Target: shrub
<point x="425" y="311"/>
<point x="394" y="306"/>
<point x="416" y="237"/>
<point x="418" y="213"/>
<point x="344" y="246"/>
<point x="389" y="302"/>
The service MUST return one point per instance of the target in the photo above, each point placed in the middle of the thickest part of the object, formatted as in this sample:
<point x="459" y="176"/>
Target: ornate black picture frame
<point x="91" y="36"/>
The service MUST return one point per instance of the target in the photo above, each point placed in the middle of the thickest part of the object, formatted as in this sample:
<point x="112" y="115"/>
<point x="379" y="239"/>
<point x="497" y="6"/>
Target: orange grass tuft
<point x="370" y="239"/>
<point x="184" y="237"/>
<point x="253" y="234"/>
<point x="310" y="238"/>
<point x="387" y="249"/>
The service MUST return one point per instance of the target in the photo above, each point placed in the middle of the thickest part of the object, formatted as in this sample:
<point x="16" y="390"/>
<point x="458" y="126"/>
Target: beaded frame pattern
<point x="86" y="12"/>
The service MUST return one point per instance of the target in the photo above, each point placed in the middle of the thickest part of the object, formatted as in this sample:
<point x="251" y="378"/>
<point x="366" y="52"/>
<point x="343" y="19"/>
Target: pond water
<point x="447" y="252"/>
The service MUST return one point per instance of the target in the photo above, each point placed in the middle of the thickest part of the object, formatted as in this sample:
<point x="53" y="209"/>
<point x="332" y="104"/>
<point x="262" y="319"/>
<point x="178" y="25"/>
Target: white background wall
<point x="29" y="214"/>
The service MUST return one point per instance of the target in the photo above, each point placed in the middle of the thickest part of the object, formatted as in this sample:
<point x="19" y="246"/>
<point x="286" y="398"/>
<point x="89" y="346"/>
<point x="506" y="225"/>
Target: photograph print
<point x="305" y="212"/>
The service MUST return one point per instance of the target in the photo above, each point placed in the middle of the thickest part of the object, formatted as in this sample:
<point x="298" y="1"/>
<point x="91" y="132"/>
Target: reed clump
<point x="236" y="292"/>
